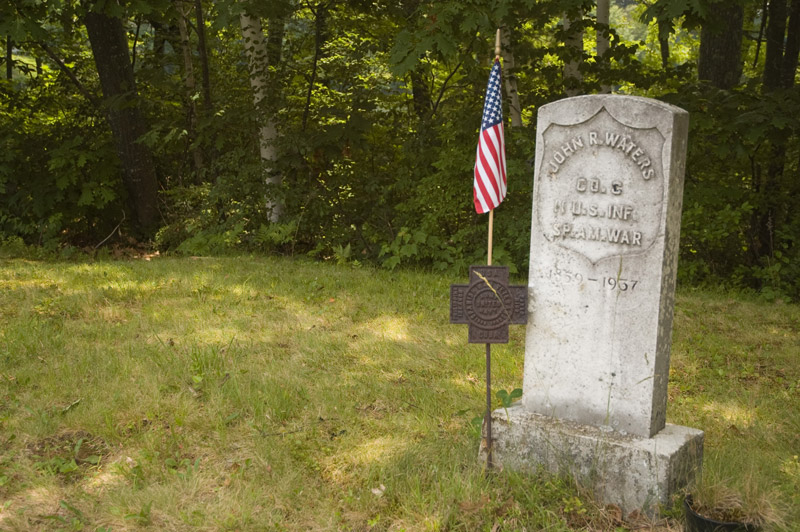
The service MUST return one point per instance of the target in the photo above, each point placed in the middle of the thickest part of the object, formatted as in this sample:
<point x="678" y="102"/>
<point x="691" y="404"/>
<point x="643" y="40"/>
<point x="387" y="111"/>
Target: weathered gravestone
<point x="604" y="247"/>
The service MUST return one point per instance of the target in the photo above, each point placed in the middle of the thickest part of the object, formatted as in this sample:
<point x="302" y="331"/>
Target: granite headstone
<point x="604" y="247"/>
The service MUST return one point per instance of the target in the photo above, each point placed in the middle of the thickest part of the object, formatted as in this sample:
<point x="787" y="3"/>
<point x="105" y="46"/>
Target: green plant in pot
<point x="715" y="507"/>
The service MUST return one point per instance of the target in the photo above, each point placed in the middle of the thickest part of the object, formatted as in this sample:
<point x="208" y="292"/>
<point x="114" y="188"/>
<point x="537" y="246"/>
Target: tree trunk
<point x="573" y="43"/>
<point x="109" y="45"/>
<point x="603" y="22"/>
<point x="203" y="55"/>
<point x="780" y="66"/>
<point x="9" y="59"/>
<point x="664" y="29"/>
<point x="514" y="106"/>
<point x="761" y="27"/>
<point x="776" y="30"/>
<point x="791" y="52"/>
<point x="191" y="90"/>
<point x="420" y="94"/>
<point x="720" y="60"/>
<point x="255" y="46"/>
<point x="320" y="21"/>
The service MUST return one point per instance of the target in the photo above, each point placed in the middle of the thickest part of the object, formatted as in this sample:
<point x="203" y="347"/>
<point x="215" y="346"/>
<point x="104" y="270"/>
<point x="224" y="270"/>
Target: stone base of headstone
<point x="632" y="472"/>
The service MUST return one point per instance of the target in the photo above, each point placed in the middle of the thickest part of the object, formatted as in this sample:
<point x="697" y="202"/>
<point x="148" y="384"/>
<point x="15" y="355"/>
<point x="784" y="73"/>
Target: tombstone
<point x="604" y="247"/>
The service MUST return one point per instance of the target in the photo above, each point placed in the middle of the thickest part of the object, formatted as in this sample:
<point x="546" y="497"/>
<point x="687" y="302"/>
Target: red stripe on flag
<point x="488" y="158"/>
<point x="495" y="146"/>
<point x="490" y="174"/>
<point x="489" y="183"/>
<point x="480" y="193"/>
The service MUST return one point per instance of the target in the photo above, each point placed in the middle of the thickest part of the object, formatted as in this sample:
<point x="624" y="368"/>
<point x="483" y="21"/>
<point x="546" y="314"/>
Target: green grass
<point x="255" y="393"/>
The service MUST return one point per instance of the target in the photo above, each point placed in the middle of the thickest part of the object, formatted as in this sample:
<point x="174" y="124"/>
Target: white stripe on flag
<point x="486" y="181"/>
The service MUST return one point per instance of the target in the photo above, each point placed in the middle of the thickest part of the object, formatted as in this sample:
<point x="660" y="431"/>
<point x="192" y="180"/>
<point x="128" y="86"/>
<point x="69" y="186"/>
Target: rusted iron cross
<point x="488" y="305"/>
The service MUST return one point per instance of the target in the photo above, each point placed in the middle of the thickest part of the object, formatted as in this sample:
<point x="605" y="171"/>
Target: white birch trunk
<point x="255" y="46"/>
<point x="514" y="106"/>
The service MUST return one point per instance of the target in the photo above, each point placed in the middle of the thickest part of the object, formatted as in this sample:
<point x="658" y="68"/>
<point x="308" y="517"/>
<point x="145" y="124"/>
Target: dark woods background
<point x="346" y="130"/>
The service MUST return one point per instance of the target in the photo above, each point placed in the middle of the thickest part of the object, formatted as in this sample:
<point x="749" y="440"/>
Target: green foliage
<point x="142" y="516"/>
<point x="376" y="106"/>
<point x="506" y="399"/>
<point x="57" y="175"/>
<point x="728" y="190"/>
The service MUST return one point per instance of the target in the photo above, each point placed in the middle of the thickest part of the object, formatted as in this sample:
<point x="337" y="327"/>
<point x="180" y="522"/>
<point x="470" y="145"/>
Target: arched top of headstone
<point x="633" y="111"/>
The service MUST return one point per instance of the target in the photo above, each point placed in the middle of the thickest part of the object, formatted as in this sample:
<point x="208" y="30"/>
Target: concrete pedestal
<point x="633" y="472"/>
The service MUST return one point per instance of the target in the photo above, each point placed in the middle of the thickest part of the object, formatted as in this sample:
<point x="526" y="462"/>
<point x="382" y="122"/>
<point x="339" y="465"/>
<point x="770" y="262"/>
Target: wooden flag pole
<point x="491" y="212"/>
<point x="491" y="228"/>
<point x="489" y="462"/>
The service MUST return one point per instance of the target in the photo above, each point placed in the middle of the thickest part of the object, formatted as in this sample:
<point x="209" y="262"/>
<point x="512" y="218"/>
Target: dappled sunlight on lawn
<point x="214" y="334"/>
<point x="469" y="382"/>
<point x="370" y="452"/>
<point x="106" y="478"/>
<point x="286" y="379"/>
<point x="41" y="500"/>
<point x="791" y="468"/>
<point x="732" y="413"/>
<point x="212" y="331"/>
<point x="303" y="316"/>
<point x="389" y="327"/>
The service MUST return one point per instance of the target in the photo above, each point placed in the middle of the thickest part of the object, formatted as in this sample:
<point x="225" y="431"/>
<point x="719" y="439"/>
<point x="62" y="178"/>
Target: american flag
<point x="490" y="161"/>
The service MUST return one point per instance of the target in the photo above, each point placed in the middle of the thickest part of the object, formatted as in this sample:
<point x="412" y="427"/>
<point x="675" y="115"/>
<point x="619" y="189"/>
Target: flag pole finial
<point x="497" y="43"/>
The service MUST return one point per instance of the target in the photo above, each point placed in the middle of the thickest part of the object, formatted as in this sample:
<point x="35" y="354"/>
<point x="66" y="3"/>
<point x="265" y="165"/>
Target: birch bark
<point x="256" y="49"/>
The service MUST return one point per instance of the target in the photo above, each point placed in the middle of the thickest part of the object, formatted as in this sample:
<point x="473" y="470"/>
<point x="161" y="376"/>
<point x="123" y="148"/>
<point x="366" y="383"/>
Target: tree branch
<point x="71" y="75"/>
<point x="320" y="16"/>
<point x="444" y="87"/>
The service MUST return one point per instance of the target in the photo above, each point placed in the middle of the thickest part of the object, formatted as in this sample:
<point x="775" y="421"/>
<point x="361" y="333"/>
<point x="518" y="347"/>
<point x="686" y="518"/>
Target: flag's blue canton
<point x="493" y="109"/>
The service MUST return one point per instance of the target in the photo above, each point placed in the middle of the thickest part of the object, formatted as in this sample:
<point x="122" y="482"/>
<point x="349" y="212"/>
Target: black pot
<point x="699" y="523"/>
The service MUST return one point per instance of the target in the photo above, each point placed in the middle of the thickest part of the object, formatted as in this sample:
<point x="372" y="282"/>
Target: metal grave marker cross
<point x="488" y="304"/>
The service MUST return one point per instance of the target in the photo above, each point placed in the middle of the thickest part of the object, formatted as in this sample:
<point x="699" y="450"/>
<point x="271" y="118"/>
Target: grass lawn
<point x="276" y="394"/>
